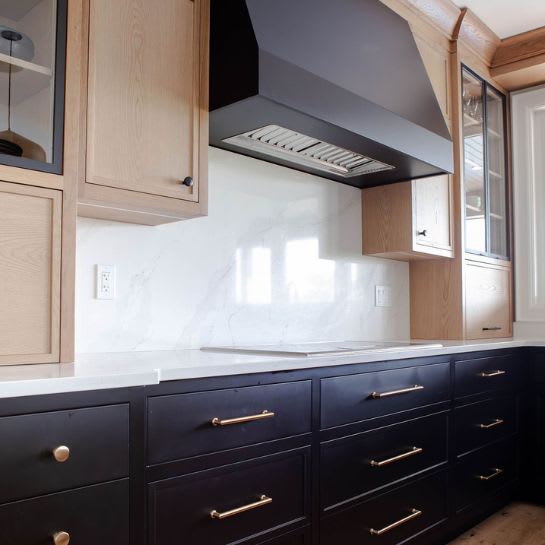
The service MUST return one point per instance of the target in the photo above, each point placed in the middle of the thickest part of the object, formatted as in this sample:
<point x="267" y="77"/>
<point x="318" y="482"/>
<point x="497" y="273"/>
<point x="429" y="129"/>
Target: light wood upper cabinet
<point x="30" y="263"/>
<point x="146" y="138"/>
<point x="408" y="220"/>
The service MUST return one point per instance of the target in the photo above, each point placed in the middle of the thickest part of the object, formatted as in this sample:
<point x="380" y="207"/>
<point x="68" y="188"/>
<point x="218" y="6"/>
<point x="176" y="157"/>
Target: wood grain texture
<point x="477" y="36"/>
<point x="441" y="14"/>
<point x="156" y="115"/>
<point x="30" y="264"/>
<point x="527" y="45"/>
<point x="488" y="295"/>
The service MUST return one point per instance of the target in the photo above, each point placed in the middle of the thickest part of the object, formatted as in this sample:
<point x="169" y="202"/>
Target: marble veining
<point x="277" y="260"/>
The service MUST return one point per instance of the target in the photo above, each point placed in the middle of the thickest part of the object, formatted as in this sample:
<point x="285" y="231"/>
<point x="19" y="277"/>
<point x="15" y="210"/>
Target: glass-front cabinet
<point x="485" y="179"/>
<point x="32" y="67"/>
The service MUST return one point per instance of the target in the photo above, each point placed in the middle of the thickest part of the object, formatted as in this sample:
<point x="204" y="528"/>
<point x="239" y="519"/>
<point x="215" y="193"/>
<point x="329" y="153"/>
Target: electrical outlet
<point x="383" y="296"/>
<point x="105" y="282"/>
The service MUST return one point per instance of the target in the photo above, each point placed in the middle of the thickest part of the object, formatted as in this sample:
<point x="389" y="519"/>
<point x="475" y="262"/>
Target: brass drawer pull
<point x="61" y="453"/>
<point x="61" y="538"/>
<point x="415" y="513"/>
<point x="263" y="500"/>
<point x="489" y="374"/>
<point x="497" y="472"/>
<point x="379" y="395"/>
<point x="493" y="424"/>
<point x="398" y="458"/>
<point x="241" y="419"/>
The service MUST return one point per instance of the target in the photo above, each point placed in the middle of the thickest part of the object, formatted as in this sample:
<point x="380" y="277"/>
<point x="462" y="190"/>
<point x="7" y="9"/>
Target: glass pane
<point x="27" y="78"/>
<point x="496" y="173"/>
<point x="474" y="178"/>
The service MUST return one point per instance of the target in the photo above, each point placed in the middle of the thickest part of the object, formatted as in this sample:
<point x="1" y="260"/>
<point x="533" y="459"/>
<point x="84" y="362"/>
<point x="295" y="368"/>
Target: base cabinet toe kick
<point x="414" y="450"/>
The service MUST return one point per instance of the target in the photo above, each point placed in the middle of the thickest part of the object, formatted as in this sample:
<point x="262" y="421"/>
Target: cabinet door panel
<point x="30" y="244"/>
<point x="488" y="296"/>
<point x="143" y="105"/>
<point x="432" y="219"/>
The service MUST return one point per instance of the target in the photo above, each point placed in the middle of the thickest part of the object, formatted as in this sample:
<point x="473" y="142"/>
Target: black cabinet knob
<point x="423" y="233"/>
<point x="188" y="181"/>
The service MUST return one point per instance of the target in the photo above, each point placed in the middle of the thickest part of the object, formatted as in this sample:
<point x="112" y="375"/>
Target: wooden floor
<point x="515" y="524"/>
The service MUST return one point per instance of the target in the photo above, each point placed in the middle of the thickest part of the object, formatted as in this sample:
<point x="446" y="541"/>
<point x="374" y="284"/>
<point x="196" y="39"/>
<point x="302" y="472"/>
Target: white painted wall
<point x="278" y="259"/>
<point x="528" y="113"/>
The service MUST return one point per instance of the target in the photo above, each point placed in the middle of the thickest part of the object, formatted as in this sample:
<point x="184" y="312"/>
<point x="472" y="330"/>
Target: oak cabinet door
<point x="143" y="96"/>
<point x="488" y="301"/>
<point x="30" y="261"/>
<point x="432" y="212"/>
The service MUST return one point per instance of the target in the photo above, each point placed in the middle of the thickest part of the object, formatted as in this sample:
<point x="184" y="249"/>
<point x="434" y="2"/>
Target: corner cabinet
<point x="146" y="119"/>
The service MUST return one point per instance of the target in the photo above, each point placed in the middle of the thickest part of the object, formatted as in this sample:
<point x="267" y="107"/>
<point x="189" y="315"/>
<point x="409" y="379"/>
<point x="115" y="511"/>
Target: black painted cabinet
<point x="372" y="453"/>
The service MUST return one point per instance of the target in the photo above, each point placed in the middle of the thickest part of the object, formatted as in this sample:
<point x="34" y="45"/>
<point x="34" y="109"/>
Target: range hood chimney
<point x="336" y="88"/>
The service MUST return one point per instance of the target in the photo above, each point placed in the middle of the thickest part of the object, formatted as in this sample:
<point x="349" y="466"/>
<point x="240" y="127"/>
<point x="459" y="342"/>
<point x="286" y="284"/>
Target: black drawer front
<point x="183" y="506"/>
<point x="98" y="439"/>
<point x="180" y="426"/>
<point x="299" y="538"/>
<point x="482" y="375"/>
<point x="484" y="471"/>
<point x="481" y="423"/>
<point x="92" y="515"/>
<point x="361" y="463"/>
<point x="355" y="397"/>
<point x="354" y="526"/>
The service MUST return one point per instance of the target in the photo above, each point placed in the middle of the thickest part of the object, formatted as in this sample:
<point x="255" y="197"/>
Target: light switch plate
<point x="383" y="296"/>
<point x="105" y="282"/>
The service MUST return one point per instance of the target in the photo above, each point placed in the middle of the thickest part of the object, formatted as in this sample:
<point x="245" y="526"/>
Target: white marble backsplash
<point x="277" y="260"/>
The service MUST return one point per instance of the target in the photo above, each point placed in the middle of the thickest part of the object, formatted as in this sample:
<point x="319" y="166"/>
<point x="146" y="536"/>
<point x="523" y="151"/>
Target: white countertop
<point x="124" y="369"/>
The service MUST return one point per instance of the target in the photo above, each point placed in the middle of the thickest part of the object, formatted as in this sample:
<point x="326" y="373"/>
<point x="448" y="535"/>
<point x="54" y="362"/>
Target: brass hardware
<point x="497" y="472"/>
<point x="263" y="500"/>
<point x="493" y="424"/>
<point x="415" y="513"/>
<point x="488" y="374"/>
<point x="398" y="458"/>
<point x="378" y="395"/>
<point x="61" y="454"/>
<point x="241" y="419"/>
<point x="61" y="538"/>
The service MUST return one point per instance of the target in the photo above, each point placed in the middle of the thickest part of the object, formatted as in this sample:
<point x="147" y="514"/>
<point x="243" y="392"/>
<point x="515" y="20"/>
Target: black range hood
<point x="336" y="88"/>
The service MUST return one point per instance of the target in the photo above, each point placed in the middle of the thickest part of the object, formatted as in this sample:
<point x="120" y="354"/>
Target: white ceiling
<point x="507" y="17"/>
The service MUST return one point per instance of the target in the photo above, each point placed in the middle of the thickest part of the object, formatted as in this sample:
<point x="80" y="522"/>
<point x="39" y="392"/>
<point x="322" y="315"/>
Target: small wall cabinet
<point x="408" y="220"/>
<point x="146" y="118"/>
<point x="30" y="262"/>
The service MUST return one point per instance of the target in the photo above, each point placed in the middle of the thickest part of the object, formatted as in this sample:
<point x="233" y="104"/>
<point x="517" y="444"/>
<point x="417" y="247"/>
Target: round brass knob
<point x="61" y="538"/>
<point x="61" y="454"/>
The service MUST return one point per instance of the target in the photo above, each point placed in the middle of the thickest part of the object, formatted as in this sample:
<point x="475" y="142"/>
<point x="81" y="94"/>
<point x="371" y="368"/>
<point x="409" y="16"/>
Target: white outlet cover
<point x="383" y="296"/>
<point x="105" y="282"/>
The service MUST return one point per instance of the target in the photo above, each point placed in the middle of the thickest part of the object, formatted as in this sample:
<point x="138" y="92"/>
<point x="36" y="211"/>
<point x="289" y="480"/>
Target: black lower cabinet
<point x="406" y="451"/>
<point x="86" y="516"/>
<point x="233" y="504"/>
<point x="391" y="518"/>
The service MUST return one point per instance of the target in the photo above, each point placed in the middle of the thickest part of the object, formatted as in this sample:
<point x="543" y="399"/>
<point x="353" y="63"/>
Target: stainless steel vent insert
<point x="300" y="149"/>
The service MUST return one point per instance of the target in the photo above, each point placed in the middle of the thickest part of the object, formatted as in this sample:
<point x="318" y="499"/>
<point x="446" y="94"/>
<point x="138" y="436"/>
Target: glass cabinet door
<point x="485" y="188"/>
<point x="474" y="175"/>
<point x="32" y="62"/>
<point x="495" y="148"/>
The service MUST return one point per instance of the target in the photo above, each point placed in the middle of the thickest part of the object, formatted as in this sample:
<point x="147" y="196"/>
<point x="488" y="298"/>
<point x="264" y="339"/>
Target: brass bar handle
<point x="493" y="424"/>
<point x="415" y="513"/>
<point x="414" y="451"/>
<point x="496" y="473"/>
<point x="379" y="395"/>
<point x="241" y="419"/>
<point x="263" y="500"/>
<point x="489" y="374"/>
<point x="61" y="538"/>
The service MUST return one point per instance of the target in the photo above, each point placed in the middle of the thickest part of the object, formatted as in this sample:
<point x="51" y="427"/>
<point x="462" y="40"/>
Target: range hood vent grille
<point x="297" y="148"/>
